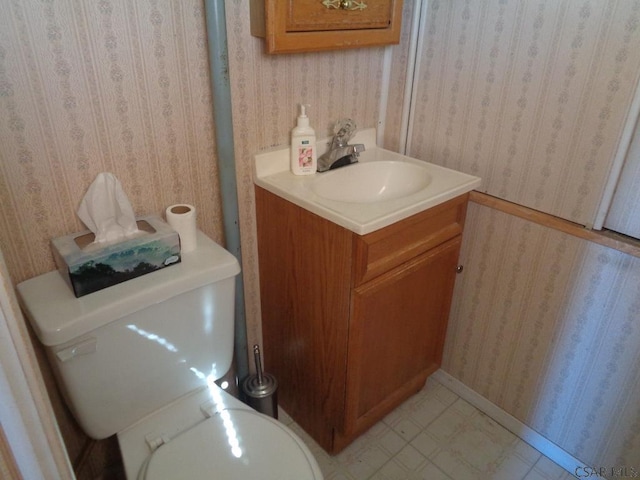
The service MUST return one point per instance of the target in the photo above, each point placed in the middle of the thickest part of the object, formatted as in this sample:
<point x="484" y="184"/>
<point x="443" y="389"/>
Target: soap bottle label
<point x="305" y="155"/>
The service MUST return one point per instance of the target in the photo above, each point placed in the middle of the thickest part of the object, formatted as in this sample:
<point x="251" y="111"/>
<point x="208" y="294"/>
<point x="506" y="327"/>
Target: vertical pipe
<point x="221" y="87"/>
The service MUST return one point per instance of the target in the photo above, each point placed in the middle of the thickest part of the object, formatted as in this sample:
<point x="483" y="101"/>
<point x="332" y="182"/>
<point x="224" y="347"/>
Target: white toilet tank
<point x="125" y="351"/>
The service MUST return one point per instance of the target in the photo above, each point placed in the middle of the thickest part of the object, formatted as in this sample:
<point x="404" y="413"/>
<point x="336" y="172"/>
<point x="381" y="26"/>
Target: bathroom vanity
<point x="354" y="315"/>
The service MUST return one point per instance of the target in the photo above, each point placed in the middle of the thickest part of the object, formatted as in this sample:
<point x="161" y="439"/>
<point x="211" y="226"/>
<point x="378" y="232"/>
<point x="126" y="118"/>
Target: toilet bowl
<point x="140" y="359"/>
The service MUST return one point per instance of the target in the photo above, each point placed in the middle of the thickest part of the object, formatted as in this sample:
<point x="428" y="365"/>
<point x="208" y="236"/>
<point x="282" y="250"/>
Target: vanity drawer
<point x="382" y="250"/>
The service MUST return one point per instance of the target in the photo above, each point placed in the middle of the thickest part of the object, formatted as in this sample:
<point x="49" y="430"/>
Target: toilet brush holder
<point x="260" y="391"/>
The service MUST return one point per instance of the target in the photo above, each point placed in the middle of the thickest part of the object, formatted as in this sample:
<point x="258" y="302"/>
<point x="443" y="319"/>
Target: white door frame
<point x="26" y="414"/>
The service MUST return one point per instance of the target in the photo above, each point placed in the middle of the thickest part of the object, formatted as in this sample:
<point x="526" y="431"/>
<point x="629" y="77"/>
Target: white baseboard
<point x="527" y="434"/>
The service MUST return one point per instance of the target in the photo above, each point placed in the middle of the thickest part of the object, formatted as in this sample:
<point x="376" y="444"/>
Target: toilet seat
<point x="232" y="444"/>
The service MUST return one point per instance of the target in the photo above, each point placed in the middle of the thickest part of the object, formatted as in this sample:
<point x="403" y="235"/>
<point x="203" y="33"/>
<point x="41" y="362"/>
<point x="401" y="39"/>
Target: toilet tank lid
<point x="57" y="316"/>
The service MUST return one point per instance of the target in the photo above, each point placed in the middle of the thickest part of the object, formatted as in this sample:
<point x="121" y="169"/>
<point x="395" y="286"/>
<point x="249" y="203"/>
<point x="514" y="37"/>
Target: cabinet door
<point x="314" y="15"/>
<point x="396" y="334"/>
<point x="310" y="25"/>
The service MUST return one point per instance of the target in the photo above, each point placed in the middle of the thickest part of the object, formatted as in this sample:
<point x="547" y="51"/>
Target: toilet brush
<point x="260" y="390"/>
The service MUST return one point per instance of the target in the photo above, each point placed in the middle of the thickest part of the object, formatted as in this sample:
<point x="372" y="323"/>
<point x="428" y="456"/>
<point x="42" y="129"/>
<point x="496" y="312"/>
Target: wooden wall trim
<point x="605" y="237"/>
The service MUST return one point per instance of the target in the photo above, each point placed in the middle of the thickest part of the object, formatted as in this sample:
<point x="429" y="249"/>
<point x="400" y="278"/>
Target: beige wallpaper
<point x="87" y="87"/>
<point x="531" y="96"/>
<point x="266" y="91"/>
<point x="545" y="325"/>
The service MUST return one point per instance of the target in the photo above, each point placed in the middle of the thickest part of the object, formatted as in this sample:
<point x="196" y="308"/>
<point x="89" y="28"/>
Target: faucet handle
<point x="344" y="129"/>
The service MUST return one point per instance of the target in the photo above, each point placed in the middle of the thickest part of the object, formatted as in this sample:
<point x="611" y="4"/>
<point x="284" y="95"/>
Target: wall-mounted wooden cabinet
<point x="290" y="26"/>
<point x="353" y="324"/>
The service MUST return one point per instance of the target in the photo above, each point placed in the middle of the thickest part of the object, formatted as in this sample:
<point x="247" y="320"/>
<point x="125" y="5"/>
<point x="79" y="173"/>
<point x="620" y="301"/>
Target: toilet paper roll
<point x="182" y="218"/>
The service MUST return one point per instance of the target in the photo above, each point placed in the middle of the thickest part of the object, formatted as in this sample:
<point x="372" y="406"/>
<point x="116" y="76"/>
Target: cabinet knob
<point x="459" y="268"/>
<point x="345" y="4"/>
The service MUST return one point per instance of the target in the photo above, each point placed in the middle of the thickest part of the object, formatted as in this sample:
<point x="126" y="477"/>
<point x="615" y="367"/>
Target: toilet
<point x="141" y="359"/>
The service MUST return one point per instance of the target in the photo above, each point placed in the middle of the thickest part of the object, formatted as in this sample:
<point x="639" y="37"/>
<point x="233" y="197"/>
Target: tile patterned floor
<point x="435" y="435"/>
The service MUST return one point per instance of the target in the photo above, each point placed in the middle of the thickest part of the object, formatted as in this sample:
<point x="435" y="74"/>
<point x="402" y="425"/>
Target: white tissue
<point x="106" y="211"/>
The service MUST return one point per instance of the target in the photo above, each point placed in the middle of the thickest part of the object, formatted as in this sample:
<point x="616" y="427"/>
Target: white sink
<point x="371" y="182"/>
<point x="382" y="188"/>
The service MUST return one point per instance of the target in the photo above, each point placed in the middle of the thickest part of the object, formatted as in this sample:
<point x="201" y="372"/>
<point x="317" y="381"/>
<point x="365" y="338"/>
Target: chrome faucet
<point x="340" y="153"/>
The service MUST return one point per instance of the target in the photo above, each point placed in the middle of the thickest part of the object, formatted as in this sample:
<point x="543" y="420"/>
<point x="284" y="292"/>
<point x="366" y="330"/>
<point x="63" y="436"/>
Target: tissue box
<point x="91" y="267"/>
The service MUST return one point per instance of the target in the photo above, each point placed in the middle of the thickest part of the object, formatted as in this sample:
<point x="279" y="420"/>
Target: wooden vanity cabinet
<point x="353" y="325"/>
<point x="291" y="26"/>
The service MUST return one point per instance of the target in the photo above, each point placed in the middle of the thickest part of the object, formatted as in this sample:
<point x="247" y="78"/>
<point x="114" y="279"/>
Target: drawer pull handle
<point x="459" y="268"/>
<point x="345" y="4"/>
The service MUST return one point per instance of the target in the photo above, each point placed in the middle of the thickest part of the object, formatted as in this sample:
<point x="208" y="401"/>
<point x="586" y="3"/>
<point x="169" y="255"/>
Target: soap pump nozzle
<point x="303" y="120"/>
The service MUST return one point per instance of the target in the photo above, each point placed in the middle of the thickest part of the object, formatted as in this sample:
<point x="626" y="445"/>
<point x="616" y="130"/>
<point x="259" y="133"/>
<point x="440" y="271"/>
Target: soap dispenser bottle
<point x="303" y="146"/>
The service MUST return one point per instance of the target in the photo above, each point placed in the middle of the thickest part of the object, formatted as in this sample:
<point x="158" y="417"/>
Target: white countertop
<point x="273" y="174"/>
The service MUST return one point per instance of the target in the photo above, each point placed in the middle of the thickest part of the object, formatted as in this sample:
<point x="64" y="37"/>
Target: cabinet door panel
<point x="313" y="15"/>
<point x="308" y="26"/>
<point x="396" y="334"/>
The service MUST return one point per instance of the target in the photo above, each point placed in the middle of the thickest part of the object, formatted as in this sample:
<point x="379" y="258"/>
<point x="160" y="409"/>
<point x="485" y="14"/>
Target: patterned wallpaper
<point x="266" y="90"/>
<point x="545" y="325"/>
<point x="530" y="96"/>
<point x="87" y="87"/>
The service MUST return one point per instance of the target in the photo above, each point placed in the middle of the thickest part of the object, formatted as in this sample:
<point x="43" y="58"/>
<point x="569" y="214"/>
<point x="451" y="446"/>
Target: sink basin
<point x="384" y="187"/>
<point x="371" y="182"/>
